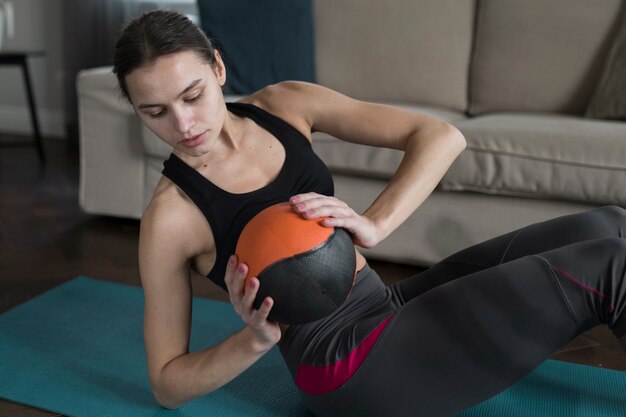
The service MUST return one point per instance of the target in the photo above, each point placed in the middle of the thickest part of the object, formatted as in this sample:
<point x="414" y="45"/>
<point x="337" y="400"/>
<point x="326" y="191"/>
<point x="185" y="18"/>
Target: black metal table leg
<point x="20" y="58"/>
<point x="33" y="111"/>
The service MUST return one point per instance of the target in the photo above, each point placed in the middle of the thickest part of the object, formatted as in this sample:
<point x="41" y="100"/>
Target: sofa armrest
<point x="112" y="166"/>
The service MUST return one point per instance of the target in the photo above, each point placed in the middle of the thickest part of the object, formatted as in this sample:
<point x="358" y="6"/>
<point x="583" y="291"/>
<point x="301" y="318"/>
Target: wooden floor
<point x="45" y="240"/>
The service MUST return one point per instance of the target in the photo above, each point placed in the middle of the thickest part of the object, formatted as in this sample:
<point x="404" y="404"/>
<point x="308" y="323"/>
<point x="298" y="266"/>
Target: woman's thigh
<point x="469" y="339"/>
<point x="608" y="221"/>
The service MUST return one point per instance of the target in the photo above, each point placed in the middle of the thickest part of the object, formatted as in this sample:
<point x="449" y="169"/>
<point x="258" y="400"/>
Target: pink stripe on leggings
<point x="318" y="380"/>
<point x="584" y="286"/>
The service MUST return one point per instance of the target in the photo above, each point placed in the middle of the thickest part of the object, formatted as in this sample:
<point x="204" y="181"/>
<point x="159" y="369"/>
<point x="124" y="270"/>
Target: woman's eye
<point x="194" y="99"/>
<point x="162" y="112"/>
<point x="157" y="115"/>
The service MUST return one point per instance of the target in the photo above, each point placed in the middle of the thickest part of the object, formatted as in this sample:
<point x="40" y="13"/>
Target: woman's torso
<point x="255" y="167"/>
<point x="227" y="174"/>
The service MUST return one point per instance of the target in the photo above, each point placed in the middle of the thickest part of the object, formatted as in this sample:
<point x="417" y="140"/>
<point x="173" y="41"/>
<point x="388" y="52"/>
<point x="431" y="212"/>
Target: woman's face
<point x="179" y="98"/>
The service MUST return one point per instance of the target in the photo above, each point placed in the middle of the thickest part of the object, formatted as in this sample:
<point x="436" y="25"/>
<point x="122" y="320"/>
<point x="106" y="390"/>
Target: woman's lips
<point x="193" y="142"/>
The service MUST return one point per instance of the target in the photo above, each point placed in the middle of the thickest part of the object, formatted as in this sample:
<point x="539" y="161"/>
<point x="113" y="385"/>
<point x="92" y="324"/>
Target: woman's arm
<point x="176" y="375"/>
<point x="429" y="152"/>
<point x="430" y="146"/>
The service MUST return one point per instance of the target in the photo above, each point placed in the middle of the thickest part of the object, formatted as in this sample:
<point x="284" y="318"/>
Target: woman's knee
<point x="613" y="213"/>
<point x="597" y="223"/>
<point x="615" y="246"/>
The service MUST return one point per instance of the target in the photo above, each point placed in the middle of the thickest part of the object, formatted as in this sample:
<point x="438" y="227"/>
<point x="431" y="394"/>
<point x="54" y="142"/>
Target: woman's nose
<point x="183" y="120"/>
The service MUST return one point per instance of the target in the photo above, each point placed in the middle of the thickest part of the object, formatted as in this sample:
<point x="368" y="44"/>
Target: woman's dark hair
<point x="153" y="35"/>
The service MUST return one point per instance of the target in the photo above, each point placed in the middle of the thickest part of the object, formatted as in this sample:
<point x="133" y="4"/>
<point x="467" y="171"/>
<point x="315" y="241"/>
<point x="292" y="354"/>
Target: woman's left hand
<point x="312" y="205"/>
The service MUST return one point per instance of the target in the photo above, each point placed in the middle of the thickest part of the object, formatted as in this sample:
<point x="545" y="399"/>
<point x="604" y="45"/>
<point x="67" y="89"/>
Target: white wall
<point x="38" y="26"/>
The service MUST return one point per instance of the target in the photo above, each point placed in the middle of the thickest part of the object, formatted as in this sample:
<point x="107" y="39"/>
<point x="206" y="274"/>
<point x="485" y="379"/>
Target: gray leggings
<point x="449" y="343"/>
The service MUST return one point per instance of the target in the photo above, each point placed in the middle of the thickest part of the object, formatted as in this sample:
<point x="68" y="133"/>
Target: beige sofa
<point x="515" y="76"/>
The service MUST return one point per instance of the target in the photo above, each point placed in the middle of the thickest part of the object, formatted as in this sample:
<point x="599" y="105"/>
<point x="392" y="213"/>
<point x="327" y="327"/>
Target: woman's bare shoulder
<point x="172" y="217"/>
<point x="283" y="96"/>
<point x="289" y="101"/>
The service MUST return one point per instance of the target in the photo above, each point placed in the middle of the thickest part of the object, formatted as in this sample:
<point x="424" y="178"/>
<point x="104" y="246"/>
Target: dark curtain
<point x="262" y="41"/>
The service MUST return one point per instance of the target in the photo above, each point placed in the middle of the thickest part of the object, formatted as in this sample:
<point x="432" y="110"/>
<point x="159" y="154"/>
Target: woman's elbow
<point x="446" y="136"/>
<point x="165" y="400"/>
<point x="455" y="137"/>
<point x="163" y="394"/>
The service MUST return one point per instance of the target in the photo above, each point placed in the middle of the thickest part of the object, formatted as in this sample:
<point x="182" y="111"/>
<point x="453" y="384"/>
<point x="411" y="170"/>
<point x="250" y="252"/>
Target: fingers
<point x="336" y="213"/>
<point x="312" y="200"/>
<point x="250" y="292"/>
<point x="312" y="205"/>
<point x="234" y="279"/>
<point x="263" y="312"/>
<point x="348" y="223"/>
<point x="242" y="298"/>
<point x="257" y="316"/>
<point x="235" y="276"/>
<point x="298" y="198"/>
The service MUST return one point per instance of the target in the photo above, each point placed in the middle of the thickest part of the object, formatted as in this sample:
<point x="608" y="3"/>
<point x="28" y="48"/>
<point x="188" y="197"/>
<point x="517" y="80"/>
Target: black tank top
<point x="228" y="213"/>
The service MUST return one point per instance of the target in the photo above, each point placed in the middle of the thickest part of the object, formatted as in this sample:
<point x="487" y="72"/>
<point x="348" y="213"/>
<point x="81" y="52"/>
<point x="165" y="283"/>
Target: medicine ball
<point x="308" y="269"/>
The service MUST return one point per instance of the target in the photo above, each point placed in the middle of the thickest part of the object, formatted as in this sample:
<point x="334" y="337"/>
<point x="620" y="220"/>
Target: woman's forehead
<point x="170" y="73"/>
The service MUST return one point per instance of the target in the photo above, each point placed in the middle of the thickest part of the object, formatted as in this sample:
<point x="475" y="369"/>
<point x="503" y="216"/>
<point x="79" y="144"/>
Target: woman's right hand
<point x="267" y="333"/>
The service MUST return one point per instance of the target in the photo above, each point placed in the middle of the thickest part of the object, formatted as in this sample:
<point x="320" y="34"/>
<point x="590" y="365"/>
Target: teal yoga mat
<point x="78" y="350"/>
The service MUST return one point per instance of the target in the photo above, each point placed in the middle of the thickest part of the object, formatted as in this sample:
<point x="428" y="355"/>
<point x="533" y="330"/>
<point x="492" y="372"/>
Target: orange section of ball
<point x="277" y="233"/>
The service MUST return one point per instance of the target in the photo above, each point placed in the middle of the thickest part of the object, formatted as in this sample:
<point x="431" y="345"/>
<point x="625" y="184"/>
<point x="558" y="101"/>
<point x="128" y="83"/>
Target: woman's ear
<point x="220" y="69"/>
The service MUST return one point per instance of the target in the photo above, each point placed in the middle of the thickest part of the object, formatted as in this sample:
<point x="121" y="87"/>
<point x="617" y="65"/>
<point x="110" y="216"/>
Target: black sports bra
<point x="228" y="213"/>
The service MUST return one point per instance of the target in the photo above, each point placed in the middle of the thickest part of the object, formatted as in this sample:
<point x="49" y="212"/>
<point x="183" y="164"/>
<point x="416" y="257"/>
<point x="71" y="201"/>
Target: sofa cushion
<point x="609" y="98"/>
<point x="152" y="145"/>
<point x="403" y="50"/>
<point x="542" y="156"/>
<point x="111" y="154"/>
<point x="367" y="161"/>
<point x="539" y="55"/>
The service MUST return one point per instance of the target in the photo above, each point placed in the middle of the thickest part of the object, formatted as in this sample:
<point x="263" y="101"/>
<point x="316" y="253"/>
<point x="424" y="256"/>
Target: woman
<point x="430" y="345"/>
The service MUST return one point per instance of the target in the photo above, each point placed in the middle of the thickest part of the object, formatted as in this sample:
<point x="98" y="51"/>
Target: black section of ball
<point x="311" y="285"/>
